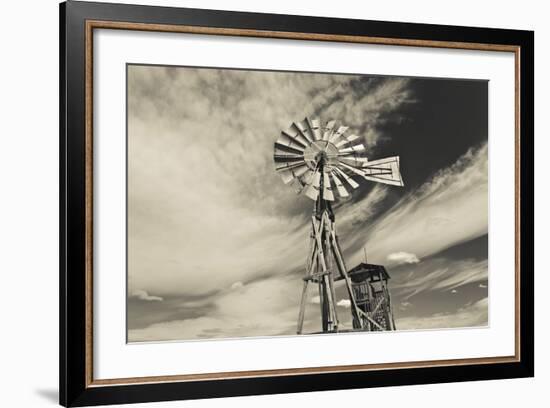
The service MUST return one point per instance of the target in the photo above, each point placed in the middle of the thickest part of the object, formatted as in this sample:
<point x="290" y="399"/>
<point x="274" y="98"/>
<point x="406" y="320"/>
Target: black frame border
<point x="72" y="125"/>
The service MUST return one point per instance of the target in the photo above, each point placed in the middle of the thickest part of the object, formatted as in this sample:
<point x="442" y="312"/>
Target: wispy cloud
<point x="205" y="207"/>
<point x="363" y="106"/>
<point x="450" y="208"/>
<point x="440" y="274"/>
<point x="264" y="308"/>
<point x="362" y="212"/>
<point x="471" y="315"/>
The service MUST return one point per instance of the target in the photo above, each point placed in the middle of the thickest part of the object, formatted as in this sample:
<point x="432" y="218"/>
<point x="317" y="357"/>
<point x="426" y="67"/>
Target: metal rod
<point x="330" y="276"/>
<point x="343" y="271"/>
<point x="302" y="309"/>
<point x="327" y="304"/>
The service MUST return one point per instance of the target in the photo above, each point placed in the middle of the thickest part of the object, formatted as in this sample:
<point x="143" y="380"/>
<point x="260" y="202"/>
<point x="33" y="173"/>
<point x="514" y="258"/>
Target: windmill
<point x="322" y="162"/>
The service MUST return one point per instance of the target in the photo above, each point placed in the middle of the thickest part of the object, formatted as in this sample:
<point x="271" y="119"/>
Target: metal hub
<point x="321" y="153"/>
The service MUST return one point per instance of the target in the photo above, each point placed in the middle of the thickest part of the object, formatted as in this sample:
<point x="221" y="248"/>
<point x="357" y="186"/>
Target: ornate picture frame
<point x="78" y="23"/>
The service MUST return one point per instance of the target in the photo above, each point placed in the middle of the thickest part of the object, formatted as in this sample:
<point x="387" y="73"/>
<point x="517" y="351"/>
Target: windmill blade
<point x="354" y="169"/>
<point x="339" y="134"/>
<point x="356" y="161"/>
<point x="342" y="192"/>
<point x="352" y="149"/>
<point x="287" y="176"/>
<point x="295" y="133"/>
<point x="292" y="172"/>
<point x="348" y="179"/>
<point x="303" y="179"/>
<point x="304" y="130"/>
<point x="301" y="171"/>
<point x="286" y="151"/>
<point x="296" y="137"/>
<point x="384" y="171"/>
<point x="327" y="188"/>
<point x="288" y="141"/>
<point x="346" y="140"/>
<point x="314" y="125"/>
<point x="288" y="165"/>
<point x="312" y="190"/>
<point x="301" y="182"/>
<point x="279" y="158"/>
<point x="327" y="134"/>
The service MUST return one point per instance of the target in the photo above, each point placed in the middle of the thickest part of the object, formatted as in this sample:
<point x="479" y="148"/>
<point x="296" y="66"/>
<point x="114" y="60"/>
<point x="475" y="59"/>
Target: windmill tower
<point x="319" y="161"/>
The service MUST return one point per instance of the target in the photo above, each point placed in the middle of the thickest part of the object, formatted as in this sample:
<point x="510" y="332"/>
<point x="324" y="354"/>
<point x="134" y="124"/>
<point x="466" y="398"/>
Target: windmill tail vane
<point x="324" y="162"/>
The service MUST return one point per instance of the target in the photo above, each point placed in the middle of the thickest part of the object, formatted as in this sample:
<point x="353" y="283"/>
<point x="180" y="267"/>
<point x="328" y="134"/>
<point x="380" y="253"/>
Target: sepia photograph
<point x="275" y="203"/>
<point x="253" y="204"/>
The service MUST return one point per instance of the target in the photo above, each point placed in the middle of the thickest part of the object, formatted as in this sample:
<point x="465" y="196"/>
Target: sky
<point x="217" y="243"/>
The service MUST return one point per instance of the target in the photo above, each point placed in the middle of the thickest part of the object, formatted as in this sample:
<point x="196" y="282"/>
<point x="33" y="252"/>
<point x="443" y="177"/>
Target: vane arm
<point x="385" y="171"/>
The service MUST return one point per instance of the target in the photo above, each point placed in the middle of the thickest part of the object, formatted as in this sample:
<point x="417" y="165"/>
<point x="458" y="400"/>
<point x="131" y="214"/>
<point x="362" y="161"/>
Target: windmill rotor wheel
<point x="323" y="159"/>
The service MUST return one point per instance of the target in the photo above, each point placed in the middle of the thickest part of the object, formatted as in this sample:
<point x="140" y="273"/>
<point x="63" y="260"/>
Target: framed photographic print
<point x="255" y="203"/>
